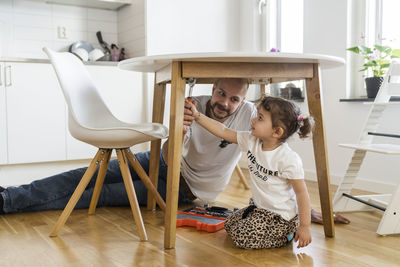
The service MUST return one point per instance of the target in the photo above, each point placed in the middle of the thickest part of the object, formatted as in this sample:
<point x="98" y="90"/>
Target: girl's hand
<point x="303" y="235"/>
<point x="191" y="110"/>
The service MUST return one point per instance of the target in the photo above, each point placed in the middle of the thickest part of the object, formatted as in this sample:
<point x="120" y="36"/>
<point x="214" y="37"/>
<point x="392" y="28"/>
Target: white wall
<point x="191" y="26"/>
<point x="185" y="26"/>
<point x="132" y="28"/>
<point x="32" y="25"/>
<point x="325" y="33"/>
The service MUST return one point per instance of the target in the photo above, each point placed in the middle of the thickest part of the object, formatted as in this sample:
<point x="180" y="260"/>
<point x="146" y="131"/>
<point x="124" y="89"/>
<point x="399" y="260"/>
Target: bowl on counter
<point x="95" y="54"/>
<point x="81" y="53"/>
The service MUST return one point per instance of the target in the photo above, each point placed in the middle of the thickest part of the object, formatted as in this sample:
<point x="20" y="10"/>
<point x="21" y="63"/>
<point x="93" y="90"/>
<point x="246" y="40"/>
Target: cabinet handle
<point x="8" y="81"/>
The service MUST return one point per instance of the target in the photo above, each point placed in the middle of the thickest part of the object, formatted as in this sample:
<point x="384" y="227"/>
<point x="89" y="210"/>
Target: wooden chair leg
<point x="242" y="177"/>
<point x="126" y="176"/>
<point x="145" y="178"/>
<point x="105" y="159"/>
<point x="77" y="194"/>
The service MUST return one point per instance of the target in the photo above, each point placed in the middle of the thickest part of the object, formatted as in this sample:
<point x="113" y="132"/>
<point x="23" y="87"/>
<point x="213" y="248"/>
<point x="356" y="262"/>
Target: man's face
<point x="227" y="96"/>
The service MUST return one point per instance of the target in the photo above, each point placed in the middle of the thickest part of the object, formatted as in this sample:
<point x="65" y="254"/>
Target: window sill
<point x="365" y="99"/>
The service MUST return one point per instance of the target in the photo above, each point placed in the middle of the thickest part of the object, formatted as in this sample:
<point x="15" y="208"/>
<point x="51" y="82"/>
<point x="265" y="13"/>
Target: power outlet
<point x="61" y="32"/>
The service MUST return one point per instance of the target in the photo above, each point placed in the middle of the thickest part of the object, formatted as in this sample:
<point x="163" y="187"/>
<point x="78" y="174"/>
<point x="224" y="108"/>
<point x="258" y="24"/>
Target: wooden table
<point x="206" y="67"/>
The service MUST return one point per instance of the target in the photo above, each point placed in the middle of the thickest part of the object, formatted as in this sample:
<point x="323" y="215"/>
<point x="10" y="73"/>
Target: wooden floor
<point x="109" y="238"/>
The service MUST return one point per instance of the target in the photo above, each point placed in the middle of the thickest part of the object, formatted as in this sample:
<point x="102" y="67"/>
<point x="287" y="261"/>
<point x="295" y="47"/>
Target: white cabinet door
<point x="36" y="127"/>
<point x="3" y="117"/>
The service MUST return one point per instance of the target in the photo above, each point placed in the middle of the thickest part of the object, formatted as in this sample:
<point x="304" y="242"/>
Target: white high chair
<point x="90" y="121"/>
<point x="388" y="203"/>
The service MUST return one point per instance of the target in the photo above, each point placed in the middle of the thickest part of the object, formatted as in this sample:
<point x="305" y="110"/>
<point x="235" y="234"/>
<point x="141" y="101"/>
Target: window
<point x="370" y="22"/>
<point x="388" y="23"/>
<point x="284" y="31"/>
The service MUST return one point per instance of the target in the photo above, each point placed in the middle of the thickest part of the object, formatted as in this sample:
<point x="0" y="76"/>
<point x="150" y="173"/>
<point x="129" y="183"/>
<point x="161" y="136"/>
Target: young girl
<point x="275" y="172"/>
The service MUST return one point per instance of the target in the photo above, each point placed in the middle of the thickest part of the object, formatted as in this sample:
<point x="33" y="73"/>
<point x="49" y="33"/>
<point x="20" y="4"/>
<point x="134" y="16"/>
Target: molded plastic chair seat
<point x="121" y="135"/>
<point x="90" y="121"/>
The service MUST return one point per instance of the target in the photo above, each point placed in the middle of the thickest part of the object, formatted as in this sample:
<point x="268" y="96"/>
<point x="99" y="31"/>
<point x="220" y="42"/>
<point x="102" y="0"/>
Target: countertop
<point x="42" y="60"/>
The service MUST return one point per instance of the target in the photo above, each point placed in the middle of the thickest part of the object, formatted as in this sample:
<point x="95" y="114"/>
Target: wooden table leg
<point x="174" y="152"/>
<point x="158" y="116"/>
<point x="314" y="98"/>
<point x="242" y="178"/>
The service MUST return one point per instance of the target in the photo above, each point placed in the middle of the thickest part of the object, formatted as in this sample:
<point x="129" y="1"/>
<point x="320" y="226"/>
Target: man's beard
<point x="220" y="107"/>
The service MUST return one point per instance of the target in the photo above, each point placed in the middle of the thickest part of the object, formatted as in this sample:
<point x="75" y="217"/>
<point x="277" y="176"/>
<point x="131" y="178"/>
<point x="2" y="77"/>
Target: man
<point x="206" y="166"/>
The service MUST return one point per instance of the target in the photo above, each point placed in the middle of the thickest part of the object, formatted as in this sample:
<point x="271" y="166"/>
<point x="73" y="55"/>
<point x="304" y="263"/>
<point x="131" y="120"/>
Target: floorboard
<point x="109" y="238"/>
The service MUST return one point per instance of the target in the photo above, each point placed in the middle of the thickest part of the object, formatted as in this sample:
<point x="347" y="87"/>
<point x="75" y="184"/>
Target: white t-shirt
<point x="205" y="166"/>
<point x="270" y="172"/>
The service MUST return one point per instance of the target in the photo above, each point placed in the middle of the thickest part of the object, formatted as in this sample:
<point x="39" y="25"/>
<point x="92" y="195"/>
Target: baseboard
<point x="361" y="184"/>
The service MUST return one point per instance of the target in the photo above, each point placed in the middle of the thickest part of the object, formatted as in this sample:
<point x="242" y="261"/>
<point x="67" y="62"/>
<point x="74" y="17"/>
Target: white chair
<point x="90" y="121"/>
<point x="388" y="203"/>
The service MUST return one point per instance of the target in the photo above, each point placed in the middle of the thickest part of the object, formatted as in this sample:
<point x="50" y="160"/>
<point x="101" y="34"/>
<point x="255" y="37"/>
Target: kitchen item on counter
<point x="81" y="53"/>
<point x="81" y="44"/>
<point x="95" y="54"/>
<point x="114" y="52"/>
<point x="103" y="44"/>
<point x="106" y="57"/>
<point x="122" y="55"/>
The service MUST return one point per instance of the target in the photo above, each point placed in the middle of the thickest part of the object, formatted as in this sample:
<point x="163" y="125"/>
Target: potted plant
<point x="377" y="60"/>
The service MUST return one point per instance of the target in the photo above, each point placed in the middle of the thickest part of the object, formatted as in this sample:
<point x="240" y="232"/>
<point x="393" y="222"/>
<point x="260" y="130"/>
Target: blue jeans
<point x="54" y="192"/>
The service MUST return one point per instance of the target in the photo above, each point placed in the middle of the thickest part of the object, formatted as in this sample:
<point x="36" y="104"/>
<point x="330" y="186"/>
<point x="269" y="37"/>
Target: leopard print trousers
<point x="254" y="228"/>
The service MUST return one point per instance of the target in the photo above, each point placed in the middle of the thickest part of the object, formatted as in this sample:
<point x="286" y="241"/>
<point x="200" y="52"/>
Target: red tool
<point x="209" y="219"/>
<point x="191" y="82"/>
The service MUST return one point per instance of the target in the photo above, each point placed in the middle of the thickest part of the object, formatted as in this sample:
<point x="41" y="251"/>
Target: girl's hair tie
<point x="300" y="118"/>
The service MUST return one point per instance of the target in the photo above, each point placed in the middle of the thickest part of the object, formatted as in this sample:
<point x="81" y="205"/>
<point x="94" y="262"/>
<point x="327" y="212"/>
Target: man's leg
<point x="55" y="191"/>
<point x="43" y="194"/>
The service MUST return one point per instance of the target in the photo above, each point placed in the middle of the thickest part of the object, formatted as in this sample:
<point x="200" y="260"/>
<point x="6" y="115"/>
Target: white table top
<point x="157" y="62"/>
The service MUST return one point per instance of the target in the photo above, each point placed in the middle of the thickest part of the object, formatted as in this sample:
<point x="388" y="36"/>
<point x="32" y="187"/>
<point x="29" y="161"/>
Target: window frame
<point x="272" y="25"/>
<point x="364" y="28"/>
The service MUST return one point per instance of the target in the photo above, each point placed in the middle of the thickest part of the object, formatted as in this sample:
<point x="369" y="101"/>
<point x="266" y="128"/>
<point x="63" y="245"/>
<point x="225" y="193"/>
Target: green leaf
<point x="381" y="48"/>
<point x="371" y="63"/>
<point x="395" y="53"/>
<point x="354" y="49"/>
<point x="365" y="50"/>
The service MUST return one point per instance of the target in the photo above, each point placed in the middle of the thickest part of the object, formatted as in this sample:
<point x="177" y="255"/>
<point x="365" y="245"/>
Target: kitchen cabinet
<point x="32" y="115"/>
<point x="3" y="117"/>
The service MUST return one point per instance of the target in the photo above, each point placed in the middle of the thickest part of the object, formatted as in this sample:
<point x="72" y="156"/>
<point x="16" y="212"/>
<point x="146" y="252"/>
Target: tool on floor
<point x="209" y="219"/>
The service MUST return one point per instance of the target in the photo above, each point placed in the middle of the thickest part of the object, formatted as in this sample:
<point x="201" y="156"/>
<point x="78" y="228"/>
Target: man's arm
<point x="214" y="127"/>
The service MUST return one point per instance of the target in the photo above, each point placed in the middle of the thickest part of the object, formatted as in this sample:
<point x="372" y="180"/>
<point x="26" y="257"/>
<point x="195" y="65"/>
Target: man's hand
<point x="188" y="117"/>
<point x="316" y="217"/>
